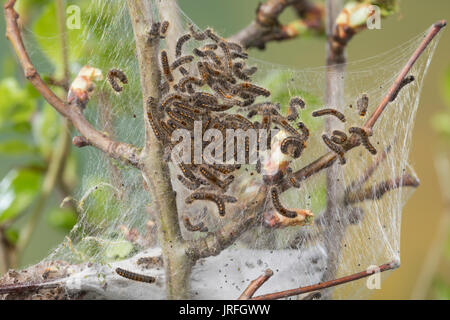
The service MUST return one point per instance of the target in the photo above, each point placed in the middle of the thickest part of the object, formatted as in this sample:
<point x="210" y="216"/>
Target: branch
<point x="377" y="191"/>
<point x="327" y="284"/>
<point x="114" y="149"/>
<point x="255" y="285"/>
<point x="266" y="26"/>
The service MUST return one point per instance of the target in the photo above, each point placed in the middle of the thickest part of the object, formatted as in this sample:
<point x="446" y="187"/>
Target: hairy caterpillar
<point x="223" y="184"/>
<point x="292" y="180"/>
<point x="237" y="71"/>
<point x="277" y="204"/>
<point x="364" y="139"/>
<point x="180" y="61"/>
<point x="293" y="104"/>
<point x="406" y="80"/>
<point x="114" y="74"/>
<point x="234" y="46"/>
<point x="362" y="105"/>
<point x="199" y="36"/>
<point x="188" y="80"/>
<point x="152" y="107"/>
<point x="329" y="111"/>
<point x="164" y="27"/>
<point x="286" y="126"/>
<point x="135" y="276"/>
<point x="191" y="185"/>
<point x="226" y="51"/>
<point x="239" y="55"/>
<point x="218" y="200"/>
<point x="335" y="148"/>
<point x="165" y="64"/>
<point x="338" y="137"/>
<point x="213" y="56"/>
<point x="247" y="86"/>
<point x="293" y="146"/>
<point x="190" y="227"/>
<point x="304" y="130"/>
<point x="210" y="34"/>
<point x="181" y="41"/>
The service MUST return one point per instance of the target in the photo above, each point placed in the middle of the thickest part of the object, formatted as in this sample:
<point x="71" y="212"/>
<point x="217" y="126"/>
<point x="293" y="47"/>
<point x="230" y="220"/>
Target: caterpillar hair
<point x="277" y="204"/>
<point x="135" y="276"/>
<point x="329" y="111"/>
<point x="181" y="41"/>
<point x="362" y="104"/>
<point x="114" y="74"/>
<point x="406" y="80"/>
<point x="199" y="36"/>
<point x="190" y="227"/>
<point x="165" y="65"/>
<point x="338" y="137"/>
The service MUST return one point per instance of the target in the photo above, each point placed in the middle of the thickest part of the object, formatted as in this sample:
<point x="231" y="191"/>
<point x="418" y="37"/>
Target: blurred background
<point x="32" y="222"/>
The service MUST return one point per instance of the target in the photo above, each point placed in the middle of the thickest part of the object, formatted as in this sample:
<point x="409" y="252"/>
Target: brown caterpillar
<point x="188" y="80"/>
<point x="292" y="180"/>
<point x="227" y="55"/>
<point x="335" y="148"/>
<point x="286" y="126"/>
<point x="199" y="53"/>
<point x="237" y="71"/>
<point x="210" y="34"/>
<point x="183" y="71"/>
<point x="210" y="46"/>
<point x="239" y="55"/>
<point x="181" y="41"/>
<point x="114" y="74"/>
<point x="205" y="98"/>
<point x="293" y="146"/>
<point x="187" y="172"/>
<point x="180" y="61"/>
<point x="173" y="97"/>
<point x="364" y="139"/>
<point x="338" y="137"/>
<point x="178" y="121"/>
<point x="164" y="27"/>
<point x="329" y="111"/>
<point x="190" y="227"/>
<point x="165" y="65"/>
<point x="304" y="130"/>
<point x="362" y="105"/>
<point x="199" y="36"/>
<point x="247" y="86"/>
<point x="406" y="80"/>
<point x="277" y="204"/>
<point x="223" y="184"/>
<point x="191" y="185"/>
<point x="293" y="104"/>
<point x="218" y="200"/>
<point x="213" y="56"/>
<point x="234" y="46"/>
<point x="151" y="107"/>
<point x="135" y="276"/>
<point x="192" y="110"/>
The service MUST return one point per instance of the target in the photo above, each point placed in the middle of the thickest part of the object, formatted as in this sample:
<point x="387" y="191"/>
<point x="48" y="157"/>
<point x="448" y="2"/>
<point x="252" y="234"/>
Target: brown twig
<point x="114" y="149"/>
<point x="327" y="284"/>
<point x="255" y="285"/>
<point x="266" y="26"/>
<point x="20" y="288"/>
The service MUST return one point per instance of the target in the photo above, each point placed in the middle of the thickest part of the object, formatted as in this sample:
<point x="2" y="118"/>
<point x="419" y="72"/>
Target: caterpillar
<point x="292" y="180"/>
<point x="338" y="137"/>
<point x="116" y="73"/>
<point x="151" y="107"/>
<point x="199" y="36"/>
<point x="223" y="184"/>
<point x="187" y="108"/>
<point x="237" y="71"/>
<point x="180" y="61"/>
<point x="191" y="185"/>
<point x="178" y="121"/>
<point x="183" y="71"/>
<point x="187" y="172"/>
<point x="205" y="98"/>
<point x="210" y="34"/>
<point x="304" y="130"/>
<point x="239" y="55"/>
<point x="210" y="46"/>
<point x="293" y="146"/>
<point x="277" y="204"/>
<point x="362" y="105"/>
<point x="407" y="80"/>
<point x="218" y="200"/>
<point x="154" y="30"/>
<point x="247" y="86"/>
<point x="234" y="46"/>
<point x="164" y="27"/>
<point x="220" y="91"/>
<point x="227" y="55"/>
<point x="286" y="126"/>
<point x="190" y="227"/>
<point x="188" y="80"/>
<point x="213" y="56"/>
<point x="135" y="276"/>
<point x="329" y="111"/>
<point x="364" y="139"/>
<point x="165" y="64"/>
<point x="180" y="42"/>
<point x="199" y="53"/>
<point x="164" y="87"/>
<point x="173" y="97"/>
<point x="335" y="148"/>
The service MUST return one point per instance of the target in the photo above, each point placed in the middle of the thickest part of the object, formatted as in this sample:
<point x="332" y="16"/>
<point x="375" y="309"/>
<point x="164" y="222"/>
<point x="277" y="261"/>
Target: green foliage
<point x="441" y="121"/>
<point x="17" y="191"/>
<point x="63" y="219"/>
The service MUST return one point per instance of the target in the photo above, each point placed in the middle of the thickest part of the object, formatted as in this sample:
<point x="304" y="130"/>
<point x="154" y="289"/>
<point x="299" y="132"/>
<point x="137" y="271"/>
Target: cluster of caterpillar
<point x="203" y="85"/>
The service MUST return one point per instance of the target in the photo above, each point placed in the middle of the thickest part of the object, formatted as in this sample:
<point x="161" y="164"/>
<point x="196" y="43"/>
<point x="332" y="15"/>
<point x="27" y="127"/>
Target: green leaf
<point x="62" y="218"/>
<point x="16" y="147"/>
<point x="46" y="130"/>
<point x="17" y="191"/>
<point x="118" y="250"/>
<point x="446" y="86"/>
<point x="12" y="235"/>
<point x="441" y="123"/>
